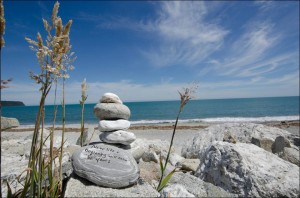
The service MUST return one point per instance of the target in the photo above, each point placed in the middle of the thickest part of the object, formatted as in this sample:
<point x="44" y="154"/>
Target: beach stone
<point x="175" y="190"/>
<point x="12" y="165"/>
<point x="79" y="187"/>
<point x="150" y="156"/>
<point x="118" y="137"/>
<point x="296" y="141"/>
<point x="248" y="171"/>
<point x="150" y="171"/>
<point x="233" y="132"/>
<point x="106" y="165"/>
<point x="189" y="164"/>
<point x="113" y="125"/>
<point x="291" y="155"/>
<point x="7" y="123"/>
<point x="111" y="111"/>
<point x="280" y="143"/>
<point x="174" y="158"/>
<point x="197" y="187"/>
<point x="136" y="151"/>
<point x="110" y="98"/>
<point x="264" y="143"/>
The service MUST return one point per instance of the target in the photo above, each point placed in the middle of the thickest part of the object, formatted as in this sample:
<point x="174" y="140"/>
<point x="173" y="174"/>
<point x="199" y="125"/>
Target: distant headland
<point x="12" y="103"/>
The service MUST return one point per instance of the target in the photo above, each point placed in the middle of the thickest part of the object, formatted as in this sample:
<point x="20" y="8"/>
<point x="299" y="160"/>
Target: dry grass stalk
<point x="2" y="24"/>
<point x="186" y="95"/>
<point x="55" y="60"/>
<point x="84" y="88"/>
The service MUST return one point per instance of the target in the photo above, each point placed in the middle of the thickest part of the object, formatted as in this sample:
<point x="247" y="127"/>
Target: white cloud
<point x="186" y="37"/>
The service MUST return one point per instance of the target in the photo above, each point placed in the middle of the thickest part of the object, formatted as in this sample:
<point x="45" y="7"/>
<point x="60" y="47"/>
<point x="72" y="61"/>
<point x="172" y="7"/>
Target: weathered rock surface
<point x="291" y="154"/>
<point x="189" y="164"/>
<point x="197" y="187"/>
<point x="152" y="149"/>
<point x="7" y="123"/>
<point x="118" y="137"/>
<point x="78" y="187"/>
<point x="150" y="171"/>
<point x="248" y="170"/>
<point x="12" y="165"/>
<point x="113" y="125"/>
<point x="14" y="160"/>
<point x="106" y="165"/>
<point x="279" y="144"/>
<point x="175" y="190"/>
<point x="264" y="143"/>
<point x="111" y="111"/>
<point x="110" y="98"/>
<point x="231" y="132"/>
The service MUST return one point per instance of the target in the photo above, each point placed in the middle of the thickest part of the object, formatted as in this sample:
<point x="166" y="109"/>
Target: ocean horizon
<point x="207" y="110"/>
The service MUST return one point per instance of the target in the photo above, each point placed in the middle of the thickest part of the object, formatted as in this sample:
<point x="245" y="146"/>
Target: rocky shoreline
<point x="215" y="160"/>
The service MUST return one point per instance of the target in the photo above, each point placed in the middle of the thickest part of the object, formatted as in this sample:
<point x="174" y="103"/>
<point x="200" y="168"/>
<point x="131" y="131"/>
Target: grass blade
<point x="9" y="193"/>
<point x="166" y="180"/>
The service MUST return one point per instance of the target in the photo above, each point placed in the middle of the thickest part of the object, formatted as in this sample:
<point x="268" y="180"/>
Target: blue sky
<point x="147" y="50"/>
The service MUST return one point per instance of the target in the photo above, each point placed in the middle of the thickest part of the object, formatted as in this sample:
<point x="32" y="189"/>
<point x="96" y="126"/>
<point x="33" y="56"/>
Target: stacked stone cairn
<point x="109" y="163"/>
<point x="113" y="115"/>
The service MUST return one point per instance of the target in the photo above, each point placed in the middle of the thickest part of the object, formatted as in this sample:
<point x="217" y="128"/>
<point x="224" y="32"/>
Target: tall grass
<point x="82" y="102"/>
<point x="54" y="60"/>
<point x="185" y="95"/>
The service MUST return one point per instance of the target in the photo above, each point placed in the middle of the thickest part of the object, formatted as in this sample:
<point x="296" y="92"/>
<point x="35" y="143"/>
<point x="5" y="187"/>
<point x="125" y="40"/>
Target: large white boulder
<point x="248" y="170"/>
<point x="229" y="132"/>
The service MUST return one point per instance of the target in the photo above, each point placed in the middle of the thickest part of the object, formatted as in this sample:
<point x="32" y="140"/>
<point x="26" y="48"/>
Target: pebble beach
<point x="162" y="131"/>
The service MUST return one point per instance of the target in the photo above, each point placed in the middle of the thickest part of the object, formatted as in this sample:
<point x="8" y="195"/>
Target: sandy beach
<point x="163" y="131"/>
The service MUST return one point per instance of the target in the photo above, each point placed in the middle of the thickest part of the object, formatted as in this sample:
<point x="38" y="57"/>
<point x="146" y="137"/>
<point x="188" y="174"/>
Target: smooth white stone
<point x="113" y="125"/>
<point x="118" y="137"/>
<point x="111" y="111"/>
<point x="110" y="98"/>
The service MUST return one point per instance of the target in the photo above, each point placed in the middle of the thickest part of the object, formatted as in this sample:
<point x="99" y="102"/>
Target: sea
<point x="211" y="110"/>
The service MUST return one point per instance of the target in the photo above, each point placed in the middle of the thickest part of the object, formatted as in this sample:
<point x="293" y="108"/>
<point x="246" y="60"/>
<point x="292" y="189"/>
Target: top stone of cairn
<point x="110" y="98"/>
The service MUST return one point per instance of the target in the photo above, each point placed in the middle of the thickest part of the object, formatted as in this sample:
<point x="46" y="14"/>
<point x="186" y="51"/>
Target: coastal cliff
<point x="12" y="103"/>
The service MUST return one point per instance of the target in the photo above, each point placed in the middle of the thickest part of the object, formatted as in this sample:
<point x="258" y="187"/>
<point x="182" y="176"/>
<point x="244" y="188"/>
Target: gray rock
<point x="156" y="145"/>
<point x="197" y="187"/>
<point x="296" y="141"/>
<point x="291" y="155"/>
<point x="110" y="98"/>
<point x="150" y="156"/>
<point x="118" y="137"/>
<point x="113" y="125"/>
<point x="279" y="144"/>
<point x="175" y="190"/>
<point x="248" y="171"/>
<point x="150" y="171"/>
<point x="189" y="164"/>
<point x="136" y="151"/>
<point x="264" y="143"/>
<point x="174" y="158"/>
<point x="231" y="132"/>
<point x="111" y="111"/>
<point x="7" y="123"/>
<point x="106" y="165"/>
<point x="78" y="187"/>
